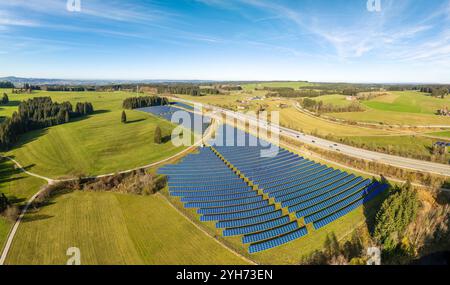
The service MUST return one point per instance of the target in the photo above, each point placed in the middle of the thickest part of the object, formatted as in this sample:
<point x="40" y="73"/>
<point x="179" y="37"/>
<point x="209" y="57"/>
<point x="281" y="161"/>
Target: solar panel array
<point x="444" y="144"/>
<point x="182" y="105"/>
<point x="194" y="122"/>
<point x="213" y="183"/>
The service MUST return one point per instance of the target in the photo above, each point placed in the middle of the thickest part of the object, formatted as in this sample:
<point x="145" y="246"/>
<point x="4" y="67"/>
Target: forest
<point x="38" y="113"/>
<point x="144" y="101"/>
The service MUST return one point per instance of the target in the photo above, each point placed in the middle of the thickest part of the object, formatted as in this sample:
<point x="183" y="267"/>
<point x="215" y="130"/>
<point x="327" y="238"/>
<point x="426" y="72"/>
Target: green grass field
<point x="111" y="228"/>
<point x="293" y="252"/>
<point x="292" y="118"/>
<point x="401" y="145"/>
<point x="336" y="100"/>
<point x="18" y="188"/>
<point x="445" y="134"/>
<point x="97" y="144"/>
<point x="291" y="84"/>
<point x="403" y="108"/>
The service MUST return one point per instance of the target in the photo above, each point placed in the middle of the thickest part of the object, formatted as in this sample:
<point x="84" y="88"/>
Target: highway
<point x="402" y="162"/>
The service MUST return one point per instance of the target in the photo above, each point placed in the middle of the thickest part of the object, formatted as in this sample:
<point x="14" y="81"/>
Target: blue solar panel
<point x="315" y="192"/>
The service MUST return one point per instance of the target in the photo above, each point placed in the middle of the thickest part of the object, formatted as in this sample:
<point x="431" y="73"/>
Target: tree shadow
<point x="98" y="112"/>
<point x="29" y="137"/>
<point x="35" y="217"/>
<point x="13" y="103"/>
<point x="135" y="121"/>
<point x="8" y="170"/>
<point x="166" y="139"/>
<point x="372" y="207"/>
<point x="437" y="258"/>
<point x="16" y="200"/>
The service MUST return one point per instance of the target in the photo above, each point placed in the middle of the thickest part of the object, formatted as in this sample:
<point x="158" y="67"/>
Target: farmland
<point x="261" y="85"/>
<point x="18" y="187"/>
<point x="111" y="228"/>
<point x="115" y="228"/>
<point x="94" y="145"/>
<point x="403" y="108"/>
<point x="398" y="107"/>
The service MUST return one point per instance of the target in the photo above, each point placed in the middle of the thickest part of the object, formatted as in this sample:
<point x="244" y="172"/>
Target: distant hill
<point x="48" y="81"/>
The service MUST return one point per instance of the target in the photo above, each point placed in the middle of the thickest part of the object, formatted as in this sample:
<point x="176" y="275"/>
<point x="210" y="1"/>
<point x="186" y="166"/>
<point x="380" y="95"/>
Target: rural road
<point x="402" y="162"/>
<point x="12" y="233"/>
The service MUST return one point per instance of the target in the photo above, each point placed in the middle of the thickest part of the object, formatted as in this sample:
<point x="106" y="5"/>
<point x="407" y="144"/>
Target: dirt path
<point x="15" y="227"/>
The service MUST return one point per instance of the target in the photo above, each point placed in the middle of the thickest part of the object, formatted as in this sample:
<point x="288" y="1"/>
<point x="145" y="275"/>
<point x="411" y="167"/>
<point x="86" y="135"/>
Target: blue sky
<point x="315" y="40"/>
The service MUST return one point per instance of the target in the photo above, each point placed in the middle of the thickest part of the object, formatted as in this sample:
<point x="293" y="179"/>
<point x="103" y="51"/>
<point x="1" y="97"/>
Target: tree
<point x="142" y="102"/>
<point x="124" y="117"/>
<point x="395" y="215"/>
<point x="158" y="135"/>
<point x="66" y="116"/>
<point x="3" y="202"/>
<point x="38" y="113"/>
<point x="5" y="99"/>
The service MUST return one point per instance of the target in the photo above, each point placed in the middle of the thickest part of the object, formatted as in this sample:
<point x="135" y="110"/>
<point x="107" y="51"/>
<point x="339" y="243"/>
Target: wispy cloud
<point x="10" y="20"/>
<point x="368" y="33"/>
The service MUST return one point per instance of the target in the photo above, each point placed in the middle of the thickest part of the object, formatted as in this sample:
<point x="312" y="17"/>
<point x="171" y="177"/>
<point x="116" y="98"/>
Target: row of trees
<point x="439" y="92"/>
<point x="396" y="214"/>
<point x="319" y="107"/>
<point x="37" y="113"/>
<point x="65" y="88"/>
<point x="231" y="87"/>
<point x="83" y="109"/>
<point x="288" y="92"/>
<point x="403" y="229"/>
<point x="144" y="101"/>
<point x="6" y="84"/>
<point x="189" y="89"/>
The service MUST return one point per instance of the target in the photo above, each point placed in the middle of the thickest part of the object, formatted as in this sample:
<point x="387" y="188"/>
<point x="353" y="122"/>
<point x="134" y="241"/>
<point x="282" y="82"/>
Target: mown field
<point x="411" y="143"/>
<point x="111" y="228"/>
<point x="445" y="134"/>
<point x="291" y="84"/>
<point x="336" y="100"/>
<point x="402" y="108"/>
<point x="93" y="145"/>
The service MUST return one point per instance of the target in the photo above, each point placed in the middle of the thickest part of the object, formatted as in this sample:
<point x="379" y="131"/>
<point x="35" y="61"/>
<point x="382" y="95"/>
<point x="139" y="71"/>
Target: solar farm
<point x="267" y="200"/>
<point x="195" y="121"/>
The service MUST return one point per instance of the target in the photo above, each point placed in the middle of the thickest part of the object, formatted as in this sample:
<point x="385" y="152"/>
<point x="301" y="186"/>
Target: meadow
<point x="289" y="84"/>
<point x="444" y="134"/>
<point x="405" y="142"/>
<point x="112" y="228"/>
<point x="18" y="188"/>
<point x="401" y="108"/>
<point x="336" y="100"/>
<point x="93" y="145"/>
<point x="293" y="252"/>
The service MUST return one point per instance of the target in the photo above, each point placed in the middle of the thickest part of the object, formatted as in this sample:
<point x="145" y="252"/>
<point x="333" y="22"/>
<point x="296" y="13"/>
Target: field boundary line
<point x="317" y="156"/>
<point x="206" y="233"/>
<point x="366" y="124"/>
<point x="13" y="231"/>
